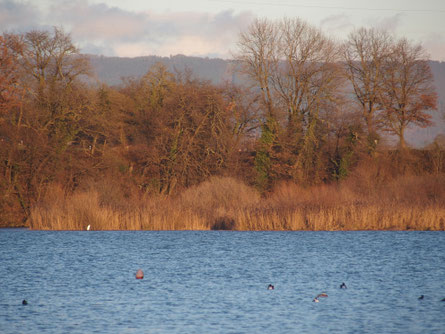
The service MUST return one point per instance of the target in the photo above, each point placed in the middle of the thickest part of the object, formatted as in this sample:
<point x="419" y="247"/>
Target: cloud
<point x="99" y="28"/>
<point x="112" y="31"/>
<point x="435" y="44"/>
<point x="389" y="23"/>
<point x="98" y="21"/>
<point x="18" y="16"/>
<point x="340" y="23"/>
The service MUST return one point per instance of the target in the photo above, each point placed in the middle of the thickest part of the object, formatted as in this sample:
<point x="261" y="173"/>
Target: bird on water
<point x="270" y="287"/>
<point x="320" y="295"/>
<point x="24" y="302"/>
<point x="343" y="286"/>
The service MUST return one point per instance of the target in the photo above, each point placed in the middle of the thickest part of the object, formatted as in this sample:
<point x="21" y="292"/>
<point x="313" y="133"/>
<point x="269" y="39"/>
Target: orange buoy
<point x="139" y="274"/>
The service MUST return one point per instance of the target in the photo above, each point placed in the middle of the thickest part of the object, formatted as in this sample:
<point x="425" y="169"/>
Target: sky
<point x="210" y="28"/>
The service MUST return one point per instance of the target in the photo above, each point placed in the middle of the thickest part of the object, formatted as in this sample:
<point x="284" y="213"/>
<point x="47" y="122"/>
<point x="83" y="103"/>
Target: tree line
<point x="311" y="111"/>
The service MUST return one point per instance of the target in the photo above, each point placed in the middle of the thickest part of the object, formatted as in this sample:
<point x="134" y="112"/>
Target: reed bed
<point x="227" y="204"/>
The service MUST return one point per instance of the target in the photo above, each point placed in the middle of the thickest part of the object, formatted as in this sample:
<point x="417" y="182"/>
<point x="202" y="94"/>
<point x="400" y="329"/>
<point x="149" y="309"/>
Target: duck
<point x="24" y="302"/>
<point x="320" y="295"/>
<point x="421" y="297"/>
<point x="270" y="287"/>
<point x="343" y="286"/>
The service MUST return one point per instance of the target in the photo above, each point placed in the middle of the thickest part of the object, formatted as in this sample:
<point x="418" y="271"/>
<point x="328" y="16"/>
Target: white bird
<point x="88" y="227"/>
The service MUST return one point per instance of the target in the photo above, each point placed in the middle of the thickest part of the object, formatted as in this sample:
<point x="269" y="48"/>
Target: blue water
<point x="216" y="282"/>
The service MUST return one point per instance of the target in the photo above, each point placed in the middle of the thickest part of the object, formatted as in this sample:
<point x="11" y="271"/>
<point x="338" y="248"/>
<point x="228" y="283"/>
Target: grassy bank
<point x="409" y="203"/>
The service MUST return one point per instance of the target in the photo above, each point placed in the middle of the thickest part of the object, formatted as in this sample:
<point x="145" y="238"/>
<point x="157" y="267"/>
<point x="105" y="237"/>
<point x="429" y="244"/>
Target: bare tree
<point x="259" y="56"/>
<point x="364" y="55"/>
<point x="52" y="57"/>
<point x="9" y="77"/>
<point x="258" y="53"/>
<point x="53" y="103"/>
<point x="408" y="91"/>
<point x="295" y="66"/>
<point x="308" y="74"/>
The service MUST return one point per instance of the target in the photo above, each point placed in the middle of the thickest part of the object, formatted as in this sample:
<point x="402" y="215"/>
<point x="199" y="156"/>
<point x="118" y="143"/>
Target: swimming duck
<point x="270" y="287"/>
<point x="343" y="286"/>
<point x="320" y="295"/>
<point x="421" y="297"/>
<point x="323" y="294"/>
<point x="24" y="302"/>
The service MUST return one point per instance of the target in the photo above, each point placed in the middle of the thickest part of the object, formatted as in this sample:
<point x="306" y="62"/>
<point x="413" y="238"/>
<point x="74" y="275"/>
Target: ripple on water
<point x="197" y="282"/>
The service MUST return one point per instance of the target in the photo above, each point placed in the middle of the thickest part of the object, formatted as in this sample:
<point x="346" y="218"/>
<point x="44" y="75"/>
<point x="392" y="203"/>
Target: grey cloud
<point x="98" y="21"/>
<point x="18" y="16"/>
<point x="435" y="44"/>
<point x="390" y="23"/>
<point x="335" y="23"/>
<point x="120" y="32"/>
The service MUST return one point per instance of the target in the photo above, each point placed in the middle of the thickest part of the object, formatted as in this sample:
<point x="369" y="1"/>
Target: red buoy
<point x="139" y="274"/>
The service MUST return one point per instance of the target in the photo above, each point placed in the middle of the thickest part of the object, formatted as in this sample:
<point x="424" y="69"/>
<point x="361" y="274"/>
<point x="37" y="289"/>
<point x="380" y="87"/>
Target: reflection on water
<point x="216" y="282"/>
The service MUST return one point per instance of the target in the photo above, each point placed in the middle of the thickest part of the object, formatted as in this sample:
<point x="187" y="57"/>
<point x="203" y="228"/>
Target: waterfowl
<point x="343" y="286"/>
<point x="270" y="287"/>
<point x="88" y="227"/>
<point x="443" y="300"/>
<point x="24" y="302"/>
<point x="421" y="297"/>
<point x="323" y="294"/>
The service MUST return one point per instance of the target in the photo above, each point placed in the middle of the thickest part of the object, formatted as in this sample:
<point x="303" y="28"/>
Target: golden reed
<point x="225" y="203"/>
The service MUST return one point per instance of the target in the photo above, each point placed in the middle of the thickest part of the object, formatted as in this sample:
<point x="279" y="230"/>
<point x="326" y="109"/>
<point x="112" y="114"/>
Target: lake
<point x="216" y="282"/>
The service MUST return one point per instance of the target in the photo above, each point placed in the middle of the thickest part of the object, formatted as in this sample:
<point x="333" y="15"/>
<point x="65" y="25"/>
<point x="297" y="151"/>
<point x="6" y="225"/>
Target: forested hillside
<point x="111" y="70"/>
<point x="302" y="146"/>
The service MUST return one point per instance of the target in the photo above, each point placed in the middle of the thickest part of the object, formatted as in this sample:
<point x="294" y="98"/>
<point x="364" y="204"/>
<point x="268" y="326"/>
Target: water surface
<point x="216" y="282"/>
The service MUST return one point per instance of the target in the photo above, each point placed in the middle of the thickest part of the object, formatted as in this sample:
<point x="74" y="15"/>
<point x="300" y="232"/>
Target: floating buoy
<point x="88" y="227"/>
<point x="139" y="274"/>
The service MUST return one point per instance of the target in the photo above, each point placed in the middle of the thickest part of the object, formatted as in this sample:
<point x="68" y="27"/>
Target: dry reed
<point x="415" y="203"/>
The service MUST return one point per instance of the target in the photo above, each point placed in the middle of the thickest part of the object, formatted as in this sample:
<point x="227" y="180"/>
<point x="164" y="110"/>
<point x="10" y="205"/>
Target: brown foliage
<point x="9" y="77"/>
<point x="152" y="153"/>
<point x="407" y="92"/>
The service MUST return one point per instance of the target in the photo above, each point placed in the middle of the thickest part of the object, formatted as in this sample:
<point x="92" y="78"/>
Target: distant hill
<point x="111" y="70"/>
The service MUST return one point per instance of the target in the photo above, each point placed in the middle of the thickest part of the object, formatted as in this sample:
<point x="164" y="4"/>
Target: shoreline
<point x="210" y="230"/>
